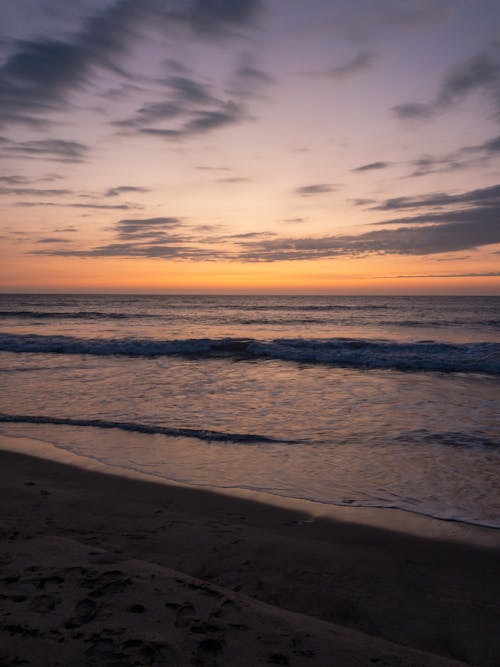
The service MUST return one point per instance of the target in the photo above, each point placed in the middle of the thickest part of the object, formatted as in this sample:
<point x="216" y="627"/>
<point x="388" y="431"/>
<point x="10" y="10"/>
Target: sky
<point x="327" y="146"/>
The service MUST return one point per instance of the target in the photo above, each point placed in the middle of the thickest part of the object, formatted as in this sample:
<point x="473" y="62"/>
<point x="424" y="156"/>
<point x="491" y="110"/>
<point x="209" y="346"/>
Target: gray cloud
<point x="362" y="201"/>
<point x="189" y="90"/>
<point x="201" y="122"/>
<point x="149" y="228"/>
<point x="486" y="274"/>
<point x="191" y="107"/>
<point x="34" y="192"/>
<point x="209" y="168"/>
<point x="248" y="80"/>
<point x="52" y="239"/>
<point x="58" y="150"/>
<point x="164" y="251"/>
<point x="151" y="112"/>
<point x="448" y="236"/>
<point x="480" y="73"/>
<point x="315" y="189"/>
<point x="109" y="207"/>
<point x="359" y="63"/>
<point x="23" y="180"/>
<point x="235" y="179"/>
<point x="14" y="180"/>
<point x="37" y="75"/>
<point x="489" y="215"/>
<point x="124" y="189"/>
<point x="462" y="158"/>
<point x="489" y="196"/>
<point x="371" y="166"/>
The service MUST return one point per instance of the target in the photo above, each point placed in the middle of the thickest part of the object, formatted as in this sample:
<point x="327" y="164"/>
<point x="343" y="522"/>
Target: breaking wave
<point x="342" y="352"/>
<point x="200" y="434"/>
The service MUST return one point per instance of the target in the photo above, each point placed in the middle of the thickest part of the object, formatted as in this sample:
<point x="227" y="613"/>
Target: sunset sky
<point x="343" y="146"/>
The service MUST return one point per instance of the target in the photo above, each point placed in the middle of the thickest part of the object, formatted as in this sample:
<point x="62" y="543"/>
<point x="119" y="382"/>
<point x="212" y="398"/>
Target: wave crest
<point x="343" y="352"/>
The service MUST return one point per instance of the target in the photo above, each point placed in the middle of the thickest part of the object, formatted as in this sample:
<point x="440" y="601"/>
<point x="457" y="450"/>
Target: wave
<point x="442" y="323"/>
<point x="343" y="352"/>
<point x="69" y="315"/>
<point x="448" y="439"/>
<point x="200" y="434"/>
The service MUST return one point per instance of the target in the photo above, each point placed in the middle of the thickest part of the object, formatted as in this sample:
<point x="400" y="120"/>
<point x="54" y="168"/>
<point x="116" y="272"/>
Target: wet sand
<point x="98" y="569"/>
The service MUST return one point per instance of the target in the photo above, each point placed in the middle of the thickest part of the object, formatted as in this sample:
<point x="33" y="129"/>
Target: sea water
<point x="366" y="401"/>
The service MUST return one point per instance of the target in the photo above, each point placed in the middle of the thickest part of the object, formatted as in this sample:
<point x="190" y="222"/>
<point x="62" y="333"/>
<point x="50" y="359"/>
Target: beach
<point x="246" y="480"/>
<point x="100" y="569"/>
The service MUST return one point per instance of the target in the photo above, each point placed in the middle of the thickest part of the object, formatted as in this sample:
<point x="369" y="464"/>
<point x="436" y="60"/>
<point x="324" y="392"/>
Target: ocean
<point x="378" y="401"/>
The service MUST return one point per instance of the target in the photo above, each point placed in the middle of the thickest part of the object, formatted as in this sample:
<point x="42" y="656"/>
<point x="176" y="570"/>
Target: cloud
<point x="201" y="122"/>
<point x="23" y="180"/>
<point x="489" y="196"/>
<point x="249" y="80"/>
<point x="209" y="168"/>
<point x="52" y="239"/>
<point x="362" y="201"/>
<point x="359" y="63"/>
<point x="372" y="166"/>
<point x="448" y="236"/>
<point x="14" y="180"/>
<point x="142" y="237"/>
<point x="445" y="223"/>
<point x="189" y="90"/>
<point x="486" y="274"/>
<point x="124" y="189"/>
<point x="462" y="158"/>
<point x="315" y="189"/>
<point x="234" y="179"/>
<point x="191" y="107"/>
<point x="151" y="240"/>
<point x="108" y="207"/>
<point x="480" y="73"/>
<point x="364" y="19"/>
<point x="145" y="227"/>
<point x="58" y="150"/>
<point x="151" y="112"/>
<point x="220" y="16"/>
<point x="34" y="192"/>
<point x="37" y="76"/>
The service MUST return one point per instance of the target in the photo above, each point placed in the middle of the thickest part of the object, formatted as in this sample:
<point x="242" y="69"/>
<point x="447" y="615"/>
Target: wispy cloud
<point x="448" y="236"/>
<point x="315" y="189"/>
<point x="104" y="207"/>
<point x="124" y="189"/>
<point x="234" y="179"/>
<point x="57" y="150"/>
<point x="462" y="158"/>
<point x="146" y="228"/>
<point x="371" y="166"/>
<point x="485" y="274"/>
<point x="480" y="73"/>
<point x="359" y="63"/>
<point x="34" y="192"/>
<point x="37" y="76"/>
<point x="489" y="197"/>
<point x="52" y="239"/>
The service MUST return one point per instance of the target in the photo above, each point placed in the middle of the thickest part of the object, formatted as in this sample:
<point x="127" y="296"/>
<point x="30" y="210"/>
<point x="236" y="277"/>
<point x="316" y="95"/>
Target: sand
<point x="97" y="569"/>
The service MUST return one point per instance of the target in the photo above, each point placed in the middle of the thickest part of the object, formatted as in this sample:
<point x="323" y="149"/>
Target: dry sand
<point x="97" y="569"/>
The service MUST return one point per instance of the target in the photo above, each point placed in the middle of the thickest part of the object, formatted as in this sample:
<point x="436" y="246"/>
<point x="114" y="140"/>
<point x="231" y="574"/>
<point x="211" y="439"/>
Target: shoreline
<point x="81" y="548"/>
<point x="391" y="518"/>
